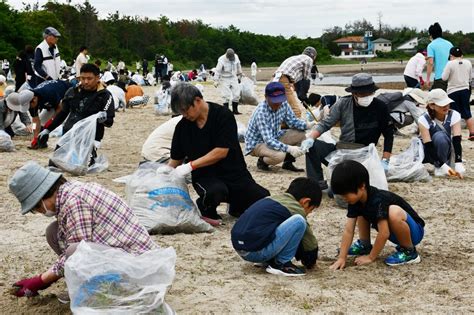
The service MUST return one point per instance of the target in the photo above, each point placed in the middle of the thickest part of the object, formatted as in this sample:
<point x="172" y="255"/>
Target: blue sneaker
<point x="359" y="249"/>
<point x="403" y="257"/>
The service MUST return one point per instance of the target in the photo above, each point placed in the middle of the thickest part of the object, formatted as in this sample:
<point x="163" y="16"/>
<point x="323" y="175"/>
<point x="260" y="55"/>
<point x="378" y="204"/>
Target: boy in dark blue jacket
<point x="274" y="229"/>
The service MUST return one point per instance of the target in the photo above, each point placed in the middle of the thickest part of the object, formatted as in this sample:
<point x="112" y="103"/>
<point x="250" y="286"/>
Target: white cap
<point x="438" y="97"/>
<point x="20" y="102"/>
<point x="2" y="79"/>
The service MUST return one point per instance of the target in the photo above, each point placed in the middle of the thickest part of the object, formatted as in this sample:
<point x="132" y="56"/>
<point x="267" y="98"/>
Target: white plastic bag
<point x="241" y="130"/>
<point x="247" y="92"/>
<point x="161" y="201"/>
<point x="6" y="143"/>
<point x="57" y="133"/>
<point x="75" y="148"/>
<point x="368" y="157"/>
<point x="162" y="102"/>
<point x="408" y="165"/>
<point x="107" y="280"/>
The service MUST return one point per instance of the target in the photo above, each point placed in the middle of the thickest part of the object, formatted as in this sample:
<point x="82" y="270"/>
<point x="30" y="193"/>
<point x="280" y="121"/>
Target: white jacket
<point x="51" y="64"/>
<point x="415" y="65"/>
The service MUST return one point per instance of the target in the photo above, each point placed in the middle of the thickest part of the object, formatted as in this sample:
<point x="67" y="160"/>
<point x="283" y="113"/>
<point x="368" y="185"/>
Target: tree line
<point x="187" y="44"/>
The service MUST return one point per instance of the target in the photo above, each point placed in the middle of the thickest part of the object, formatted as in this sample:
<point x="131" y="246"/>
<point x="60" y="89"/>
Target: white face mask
<point x="365" y="101"/>
<point x="48" y="212"/>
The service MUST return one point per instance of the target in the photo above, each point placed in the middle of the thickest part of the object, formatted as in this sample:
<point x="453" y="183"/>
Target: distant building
<point x="409" y="46"/>
<point x="382" y="44"/>
<point x="353" y="47"/>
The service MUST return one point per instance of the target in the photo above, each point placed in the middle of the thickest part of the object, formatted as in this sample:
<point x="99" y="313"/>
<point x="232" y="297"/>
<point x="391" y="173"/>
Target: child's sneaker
<point x="403" y="257"/>
<point x="359" y="249"/>
<point x="286" y="269"/>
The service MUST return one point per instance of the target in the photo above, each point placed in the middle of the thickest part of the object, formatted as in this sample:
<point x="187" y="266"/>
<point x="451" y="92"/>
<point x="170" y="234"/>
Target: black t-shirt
<point x="220" y="131"/>
<point x="376" y="207"/>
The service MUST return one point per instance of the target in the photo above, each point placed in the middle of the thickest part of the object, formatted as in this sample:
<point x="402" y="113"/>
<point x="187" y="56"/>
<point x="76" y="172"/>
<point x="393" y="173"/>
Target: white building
<point x="353" y="47"/>
<point x="409" y="46"/>
<point x="382" y="44"/>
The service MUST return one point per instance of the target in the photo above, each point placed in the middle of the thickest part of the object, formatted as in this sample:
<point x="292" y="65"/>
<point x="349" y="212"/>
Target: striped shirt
<point x="88" y="211"/>
<point x="264" y="126"/>
<point x="297" y="67"/>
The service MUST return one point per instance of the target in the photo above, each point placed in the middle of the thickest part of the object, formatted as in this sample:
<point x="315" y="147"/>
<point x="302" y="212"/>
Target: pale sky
<point x="295" y="17"/>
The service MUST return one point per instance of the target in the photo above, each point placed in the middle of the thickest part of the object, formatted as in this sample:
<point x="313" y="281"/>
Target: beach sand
<point x="212" y="278"/>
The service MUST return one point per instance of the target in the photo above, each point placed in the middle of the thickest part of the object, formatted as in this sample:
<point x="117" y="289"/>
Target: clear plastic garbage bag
<point x="247" y="92"/>
<point x="241" y="130"/>
<point x="6" y="143"/>
<point x="161" y="201"/>
<point x="408" y="165"/>
<point x="107" y="280"/>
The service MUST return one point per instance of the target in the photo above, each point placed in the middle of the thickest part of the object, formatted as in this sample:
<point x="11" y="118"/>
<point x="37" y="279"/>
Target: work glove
<point x="184" y="169"/>
<point x="385" y="163"/>
<point x="295" y="151"/>
<point x="459" y="168"/>
<point x="310" y="124"/>
<point x="320" y="76"/>
<point x="43" y="137"/>
<point x="216" y="84"/>
<point x="29" y="287"/>
<point x="307" y="144"/>
<point x="101" y="117"/>
<point x="445" y="170"/>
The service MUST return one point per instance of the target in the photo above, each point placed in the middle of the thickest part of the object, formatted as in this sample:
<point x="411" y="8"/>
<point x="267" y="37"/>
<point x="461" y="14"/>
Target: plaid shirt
<point x="264" y="126"/>
<point x="88" y="211"/>
<point x="296" y="67"/>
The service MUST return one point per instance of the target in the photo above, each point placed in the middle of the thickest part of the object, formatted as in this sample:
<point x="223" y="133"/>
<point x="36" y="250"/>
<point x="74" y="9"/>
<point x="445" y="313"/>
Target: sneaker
<point x="287" y="269"/>
<point x="261" y="165"/>
<point x="323" y="185"/>
<point x="359" y="249"/>
<point x="63" y="297"/>
<point x="403" y="257"/>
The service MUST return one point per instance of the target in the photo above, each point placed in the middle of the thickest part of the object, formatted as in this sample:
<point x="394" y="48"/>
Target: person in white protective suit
<point x="227" y="75"/>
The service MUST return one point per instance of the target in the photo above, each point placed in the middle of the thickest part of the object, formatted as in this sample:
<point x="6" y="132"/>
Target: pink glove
<point x="29" y="287"/>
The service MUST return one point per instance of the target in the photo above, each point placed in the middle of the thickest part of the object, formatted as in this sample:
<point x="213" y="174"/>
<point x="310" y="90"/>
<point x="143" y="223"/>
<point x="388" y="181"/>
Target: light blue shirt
<point x="438" y="49"/>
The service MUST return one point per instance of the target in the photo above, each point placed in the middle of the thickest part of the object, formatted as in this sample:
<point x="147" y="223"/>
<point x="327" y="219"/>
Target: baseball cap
<point x="51" y="31"/>
<point x="276" y="92"/>
<point x="438" y="97"/>
<point x="20" y="102"/>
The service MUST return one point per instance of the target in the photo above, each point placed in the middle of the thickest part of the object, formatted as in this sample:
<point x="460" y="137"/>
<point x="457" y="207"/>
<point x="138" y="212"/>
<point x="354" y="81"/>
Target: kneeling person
<point x="274" y="230"/>
<point x="388" y="213"/>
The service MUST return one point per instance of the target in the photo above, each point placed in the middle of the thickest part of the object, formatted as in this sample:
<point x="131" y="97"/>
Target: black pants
<point x="411" y="82"/>
<point x="239" y="194"/>
<point x="315" y="156"/>
<point x="439" y="84"/>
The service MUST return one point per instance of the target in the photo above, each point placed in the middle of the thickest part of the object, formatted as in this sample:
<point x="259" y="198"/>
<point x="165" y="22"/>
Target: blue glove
<point x="101" y="117"/>
<point x="307" y="144"/>
<point x="385" y="163"/>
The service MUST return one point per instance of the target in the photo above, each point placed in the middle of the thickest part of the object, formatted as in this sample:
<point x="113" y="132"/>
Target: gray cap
<point x="51" y="31"/>
<point x="20" y="102"/>
<point x="310" y="51"/>
<point x="230" y="54"/>
<point x="30" y="183"/>
<point x="362" y="83"/>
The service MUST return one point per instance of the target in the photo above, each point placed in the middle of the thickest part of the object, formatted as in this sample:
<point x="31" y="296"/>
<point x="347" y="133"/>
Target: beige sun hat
<point x="418" y="95"/>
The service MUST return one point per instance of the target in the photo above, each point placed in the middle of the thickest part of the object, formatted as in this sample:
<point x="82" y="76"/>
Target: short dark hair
<point x="313" y="99"/>
<point x="348" y="176"/>
<point x="82" y="48"/>
<point x="435" y="30"/>
<point x="61" y="180"/>
<point x="98" y="63"/>
<point x="90" y="68"/>
<point x="304" y="187"/>
<point x="183" y="95"/>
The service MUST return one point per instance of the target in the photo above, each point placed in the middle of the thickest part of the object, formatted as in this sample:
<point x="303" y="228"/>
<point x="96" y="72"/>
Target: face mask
<point x="48" y="212"/>
<point x="365" y="101"/>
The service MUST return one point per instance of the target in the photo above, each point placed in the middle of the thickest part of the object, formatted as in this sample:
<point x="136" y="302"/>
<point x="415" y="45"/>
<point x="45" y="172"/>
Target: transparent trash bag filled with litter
<point x="6" y="143"/>
<point x="161" y="201"/>
<point x="408" y="165"/>
<point x="247" y="92"/>
<point x="75" y="148"/>
<point x="107" y="280"/>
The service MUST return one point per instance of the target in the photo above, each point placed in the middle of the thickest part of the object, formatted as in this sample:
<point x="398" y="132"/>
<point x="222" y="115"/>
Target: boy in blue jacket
<point x="274" y="230"/>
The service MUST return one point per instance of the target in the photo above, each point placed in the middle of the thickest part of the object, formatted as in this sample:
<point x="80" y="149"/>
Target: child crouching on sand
<point x="274" y="230"/>
<point x="388" y="213"/>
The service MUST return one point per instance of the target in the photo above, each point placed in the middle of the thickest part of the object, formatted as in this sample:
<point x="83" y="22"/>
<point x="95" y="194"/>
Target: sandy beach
<point x="212" y="278"/>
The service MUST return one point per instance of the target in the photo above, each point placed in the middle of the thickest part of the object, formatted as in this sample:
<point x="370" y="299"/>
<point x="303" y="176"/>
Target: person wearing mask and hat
<point x="47" y="63"/>
<point x="227" y="75"/>
<point x="83" y="212"/>
<point x="266" y="140"/>
<point x="15" y="104"/>
<point x="413" y="73"/>
<point x="363" y="119"/>
<point x="458" y="74"/>
<point x="293" y="70"/>
<point x="440" y="131"/>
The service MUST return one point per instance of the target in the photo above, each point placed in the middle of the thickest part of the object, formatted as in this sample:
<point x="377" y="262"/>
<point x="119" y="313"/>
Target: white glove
<point x="101" y="117"/>
<point x="444" y="170"/>
<point x="320" y="76"/>
<point x="310" y="124"/>
<point x="307" y="144"/>
<point x="184" y="169"/>
<point x="216" y="84"/>
<point x="385" y="164"/>
<point x="295" y="151"/>
<point x="459" y="167"/>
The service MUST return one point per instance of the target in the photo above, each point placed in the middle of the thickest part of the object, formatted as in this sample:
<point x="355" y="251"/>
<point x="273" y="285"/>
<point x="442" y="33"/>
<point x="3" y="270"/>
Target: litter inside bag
<point x="161" y="201"/>
<point x="408" y="165"/>
<point x="247" y="92"/>
<point x="6" y="143"/>
<point x="109" y="280"/>
<point x="241" y="130"/>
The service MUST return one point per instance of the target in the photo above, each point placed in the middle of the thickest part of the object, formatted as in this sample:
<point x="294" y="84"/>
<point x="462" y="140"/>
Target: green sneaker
<point x="403" y="257"/>
<point x="359" y="249"/>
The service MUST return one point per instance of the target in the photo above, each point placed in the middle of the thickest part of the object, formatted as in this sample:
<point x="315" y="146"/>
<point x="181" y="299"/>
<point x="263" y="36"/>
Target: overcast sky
<point x="295" y="17"/>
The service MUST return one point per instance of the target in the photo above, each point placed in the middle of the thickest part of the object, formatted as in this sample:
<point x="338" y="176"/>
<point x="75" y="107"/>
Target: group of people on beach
<point x="269" y="231"/>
